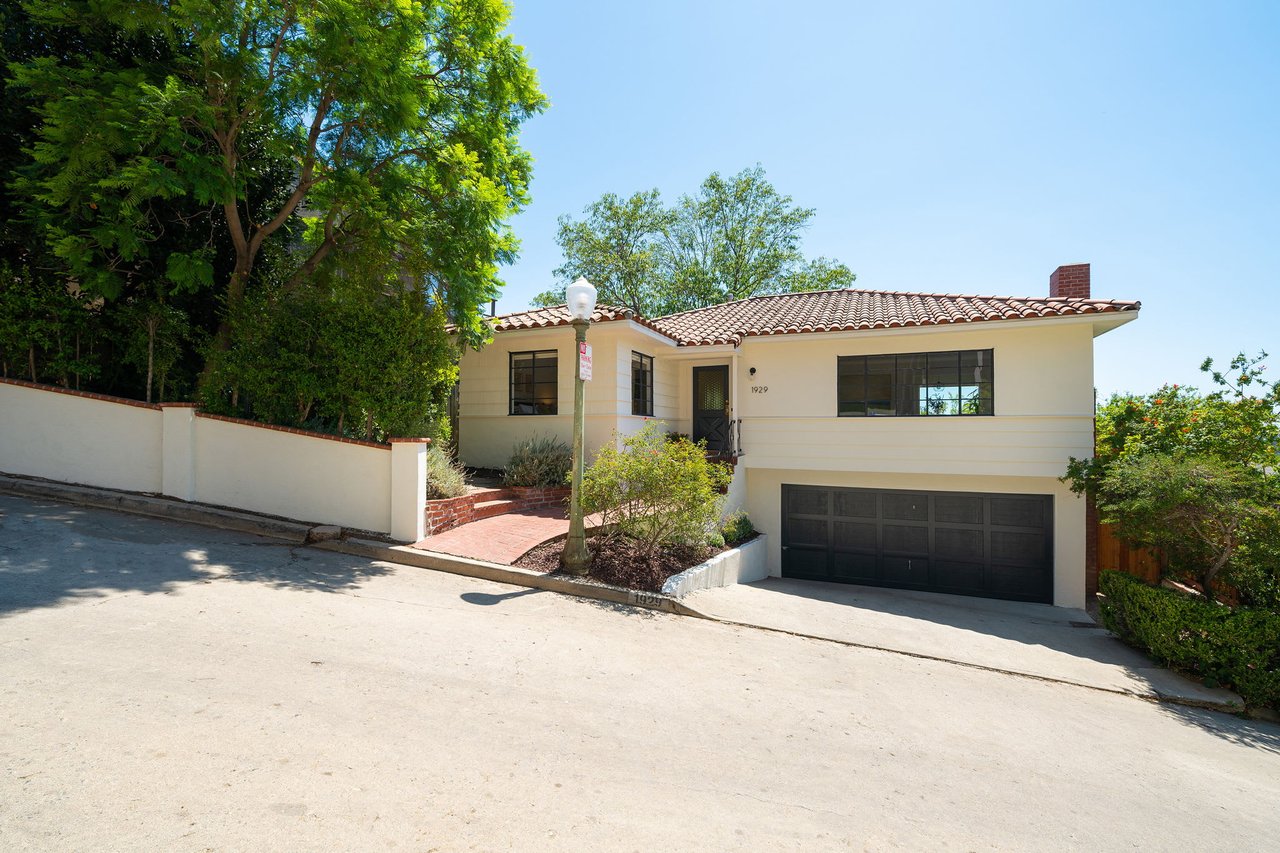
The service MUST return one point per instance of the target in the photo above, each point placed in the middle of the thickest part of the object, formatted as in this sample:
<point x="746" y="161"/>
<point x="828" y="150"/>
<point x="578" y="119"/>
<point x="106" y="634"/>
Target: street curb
<point x="299" y="533"/>
<point x="156" y="506"/>
<point x="512" y="575"/>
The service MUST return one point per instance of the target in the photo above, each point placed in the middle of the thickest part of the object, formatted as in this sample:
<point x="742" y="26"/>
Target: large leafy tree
<point x="397" y="122"/>
<point x="735" y="238"/>
<point x="1196" y="475"/>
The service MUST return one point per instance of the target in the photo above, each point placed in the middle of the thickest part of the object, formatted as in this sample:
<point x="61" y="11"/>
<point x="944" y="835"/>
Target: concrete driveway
<point x="1058" y="643"/>
<point x="167" y="687"/>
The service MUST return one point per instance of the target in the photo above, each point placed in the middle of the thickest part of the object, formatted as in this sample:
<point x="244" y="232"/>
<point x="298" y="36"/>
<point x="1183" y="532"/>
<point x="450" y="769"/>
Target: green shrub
<point x="445" y="477"/>
<point x="1236" y="648"/>
<point x="654" y="491"/>
<point x="541" y="461"/>
<point x="737" y="528"/>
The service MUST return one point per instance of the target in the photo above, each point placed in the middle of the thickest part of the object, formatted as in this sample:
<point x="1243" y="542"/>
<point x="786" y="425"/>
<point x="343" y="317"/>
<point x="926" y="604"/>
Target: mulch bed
<point x="617" y="562"/>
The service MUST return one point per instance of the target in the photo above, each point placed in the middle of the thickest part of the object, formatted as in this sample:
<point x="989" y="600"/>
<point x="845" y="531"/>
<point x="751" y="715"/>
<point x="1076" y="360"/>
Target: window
<point x="534" y="384"/>
<point x="641" y="384"/>
<point x="959" y="382"/>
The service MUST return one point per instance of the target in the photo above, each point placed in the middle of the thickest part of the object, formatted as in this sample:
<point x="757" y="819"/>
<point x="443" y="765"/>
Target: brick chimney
<point x="1071" y="281"/>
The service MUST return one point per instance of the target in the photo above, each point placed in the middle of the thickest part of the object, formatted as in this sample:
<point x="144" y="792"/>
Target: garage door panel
<point x="953" y="576"/>
<point x="905" y="571"/>
<point x="807" y="532"/>
<point x="957" y="509"/>
<point x="1017" y="549"/>
<point x="851" y="536"/>
<point x="968" y="543"/>
<point x="905" y="539"/>
<point x="1019" y="512"/>
<point x="955" y="543"/>
<point x="806" y="562"/>
<point x="901" y="506"/>
<point x="803" y="501"/>
<point x="849" y="504"/>
<point x="855" y="567"/>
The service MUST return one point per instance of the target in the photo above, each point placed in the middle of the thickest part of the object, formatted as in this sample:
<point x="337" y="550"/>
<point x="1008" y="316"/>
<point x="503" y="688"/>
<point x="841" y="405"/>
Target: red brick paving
<point x="501" y="538"/>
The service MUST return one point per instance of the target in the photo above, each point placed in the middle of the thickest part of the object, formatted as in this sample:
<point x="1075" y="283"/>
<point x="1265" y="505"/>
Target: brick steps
<point x="480" y="503"/>
<point x="488" y="509"/>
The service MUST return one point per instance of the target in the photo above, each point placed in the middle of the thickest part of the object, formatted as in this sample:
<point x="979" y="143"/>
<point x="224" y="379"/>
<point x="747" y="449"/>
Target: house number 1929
<point x="759" y="389"/>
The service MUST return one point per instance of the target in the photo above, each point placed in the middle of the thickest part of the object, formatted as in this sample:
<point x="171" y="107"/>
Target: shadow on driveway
<point x="1057" y="643"/>
<point x="51" y="554"/>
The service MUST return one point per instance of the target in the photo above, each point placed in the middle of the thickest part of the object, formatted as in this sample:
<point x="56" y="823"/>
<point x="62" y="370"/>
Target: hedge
<point x="1237" y="648"/>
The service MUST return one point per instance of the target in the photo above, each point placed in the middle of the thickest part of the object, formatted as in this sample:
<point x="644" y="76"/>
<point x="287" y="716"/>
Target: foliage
<point x="540" y="461"/>
<point x="1235" y="648"/>
<point x="45" y="328"/>
<point x="654" y="491"/>
<point x="737" y="237"/>
<point x="156" y="334"/>
<point x="338" y="354"/>
<point x="737" y="528"/>
<point x="446" y="477"/>
<point x="177" y="142"/>
<point x="1196" y="509"/>
<point x="1195" y="474"/>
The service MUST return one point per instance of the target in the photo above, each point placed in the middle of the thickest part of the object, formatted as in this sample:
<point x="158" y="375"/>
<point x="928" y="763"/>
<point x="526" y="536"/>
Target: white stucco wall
<point x="174" y="451"/>
<point x="1043" y="404"/>
<point x="291" y="474"/>
<point x="486" y="430"/>
<point x="79" y="439"/>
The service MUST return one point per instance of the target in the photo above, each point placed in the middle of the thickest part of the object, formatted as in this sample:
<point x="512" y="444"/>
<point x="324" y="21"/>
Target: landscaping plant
<point x="1237" y="648"/>
<point x="1195" y="475"/>
<point x="446" y="477"/>
<point x="655" y="492"/>
<point x="540" y="461"/>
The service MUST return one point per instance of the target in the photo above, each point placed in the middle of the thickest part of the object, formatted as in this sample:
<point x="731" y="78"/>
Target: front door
<point x="711" y="406"/>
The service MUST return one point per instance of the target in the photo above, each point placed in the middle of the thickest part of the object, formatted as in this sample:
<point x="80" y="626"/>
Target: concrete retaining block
<point x="743" y="564"/>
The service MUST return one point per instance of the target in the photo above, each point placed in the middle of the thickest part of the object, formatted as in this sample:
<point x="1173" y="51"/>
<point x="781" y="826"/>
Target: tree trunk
<point x="31" y="362"/>
<point x="152" y="323"/>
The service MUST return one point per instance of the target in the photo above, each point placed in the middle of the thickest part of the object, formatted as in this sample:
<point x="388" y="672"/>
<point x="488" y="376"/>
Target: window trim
<point x="647" y="403"/>
<point x="894" y="386"/>
<point x="511" y="382"/>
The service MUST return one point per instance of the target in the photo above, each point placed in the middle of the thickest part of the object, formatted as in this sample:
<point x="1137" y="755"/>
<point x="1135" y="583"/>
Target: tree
<point x="736" y="238"/>
<point x="619" y="248"/>
<point x="397" y="121"/>
<point x="1195" y="474"/>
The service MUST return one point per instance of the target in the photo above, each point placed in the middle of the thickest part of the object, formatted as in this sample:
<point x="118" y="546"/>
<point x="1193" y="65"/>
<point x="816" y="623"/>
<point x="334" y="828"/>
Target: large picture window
<point x="534" y="384"/>
<point x="641" y="384"/>
<point x="958" y="382"/>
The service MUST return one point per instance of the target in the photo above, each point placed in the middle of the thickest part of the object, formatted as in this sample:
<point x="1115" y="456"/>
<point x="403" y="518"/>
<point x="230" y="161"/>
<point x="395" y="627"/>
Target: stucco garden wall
<point x="174" y="450"/>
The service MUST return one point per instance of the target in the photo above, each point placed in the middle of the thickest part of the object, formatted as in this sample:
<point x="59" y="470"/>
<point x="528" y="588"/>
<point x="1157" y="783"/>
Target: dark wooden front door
<point x="711" y="406"/>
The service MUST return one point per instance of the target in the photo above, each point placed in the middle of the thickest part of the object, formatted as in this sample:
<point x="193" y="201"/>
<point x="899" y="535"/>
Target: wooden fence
<point x="1113" y="553"/>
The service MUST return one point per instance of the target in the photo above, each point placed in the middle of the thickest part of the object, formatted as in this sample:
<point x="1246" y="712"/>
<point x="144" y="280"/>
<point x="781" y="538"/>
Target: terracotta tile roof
<point x="852" y="310"/>
<point x="558" y="315"/>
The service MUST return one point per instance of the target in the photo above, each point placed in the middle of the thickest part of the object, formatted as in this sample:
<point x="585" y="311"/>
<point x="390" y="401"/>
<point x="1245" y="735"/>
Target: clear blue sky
<point x="947" y="147"/>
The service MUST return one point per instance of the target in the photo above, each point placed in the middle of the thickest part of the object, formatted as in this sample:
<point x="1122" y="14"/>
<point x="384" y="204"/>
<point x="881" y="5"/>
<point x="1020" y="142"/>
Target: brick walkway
<point x="502" y="538"/>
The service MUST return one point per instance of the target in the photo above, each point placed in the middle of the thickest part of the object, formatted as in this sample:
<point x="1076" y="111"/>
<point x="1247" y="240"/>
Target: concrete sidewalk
<point x="1054" y="643"/>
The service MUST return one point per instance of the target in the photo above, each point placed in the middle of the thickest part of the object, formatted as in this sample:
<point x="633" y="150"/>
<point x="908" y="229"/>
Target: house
<point x="905" y="440"/>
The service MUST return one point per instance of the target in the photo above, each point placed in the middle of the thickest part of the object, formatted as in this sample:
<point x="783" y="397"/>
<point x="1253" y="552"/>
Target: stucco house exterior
<point x="906" y="440"/>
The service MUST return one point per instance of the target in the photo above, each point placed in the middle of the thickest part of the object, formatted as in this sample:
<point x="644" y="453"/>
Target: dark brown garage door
<point x="997" y="546"/>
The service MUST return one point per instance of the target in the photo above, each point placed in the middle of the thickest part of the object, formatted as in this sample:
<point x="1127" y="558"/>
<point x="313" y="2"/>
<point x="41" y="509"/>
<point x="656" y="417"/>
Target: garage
<point x="989" y="545"/>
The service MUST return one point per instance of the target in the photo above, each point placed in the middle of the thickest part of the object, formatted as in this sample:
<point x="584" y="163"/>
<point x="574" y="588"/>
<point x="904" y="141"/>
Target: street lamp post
<point x="581" y="296"/>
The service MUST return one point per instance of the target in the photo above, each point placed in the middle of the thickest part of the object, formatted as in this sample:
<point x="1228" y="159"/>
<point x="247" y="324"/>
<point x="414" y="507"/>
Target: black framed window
<point x="534" y="384"/>
<point x="957" y="382"/>
<point x="641" y="384"/>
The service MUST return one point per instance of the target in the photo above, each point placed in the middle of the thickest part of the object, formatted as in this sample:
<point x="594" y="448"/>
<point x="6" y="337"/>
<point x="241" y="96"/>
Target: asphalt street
<point x="172" y="687"/>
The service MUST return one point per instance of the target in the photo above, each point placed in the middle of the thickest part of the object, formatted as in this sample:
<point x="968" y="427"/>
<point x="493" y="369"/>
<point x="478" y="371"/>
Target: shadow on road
<point x="487" y="599"/>
<point x="51" y="554"/>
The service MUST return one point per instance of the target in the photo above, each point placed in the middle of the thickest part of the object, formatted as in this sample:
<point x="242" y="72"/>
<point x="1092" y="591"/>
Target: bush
<point x="1236" y="648"/>
<point x="445" y="477"/>
<point x="737" y="528"/>
<point x="542" y="461"/>
<point x="656" y="492"/>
